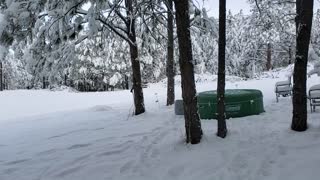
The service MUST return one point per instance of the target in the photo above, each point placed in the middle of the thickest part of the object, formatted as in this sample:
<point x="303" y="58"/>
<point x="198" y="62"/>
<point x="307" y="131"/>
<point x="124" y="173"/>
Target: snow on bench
<point x="314" y="92"/>
<point x="284" y="88"/>
<point x="283" y="83"/>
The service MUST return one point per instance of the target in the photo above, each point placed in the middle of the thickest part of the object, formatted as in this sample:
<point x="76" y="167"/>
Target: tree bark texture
<point x="1" y="77"/>
<point x="43" y="82"/>
<point x="170" y="55"/>
<point x="222" y="127"/>
<point x="269" y="65"/>
<point x="135" y="63"/>
<point x="192" y="119"/>
<point x="65" y="80"/>
<point x="299" y="100"/>
<point x="290" y="55"/>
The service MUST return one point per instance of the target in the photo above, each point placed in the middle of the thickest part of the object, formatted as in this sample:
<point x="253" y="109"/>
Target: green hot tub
<point x="239" y="103"/>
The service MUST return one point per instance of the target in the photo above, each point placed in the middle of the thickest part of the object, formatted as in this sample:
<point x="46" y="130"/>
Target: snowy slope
<point x="48" y="135"/>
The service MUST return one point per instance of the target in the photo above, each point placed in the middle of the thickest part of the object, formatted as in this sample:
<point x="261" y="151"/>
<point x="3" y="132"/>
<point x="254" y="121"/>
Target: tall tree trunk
<point x="269" y="66"/>
<point x="5" y="83"/>
<point x="299" y="100"/>
<point x="290" y="55"/>
<point x="43" y="82"/>
<point x="222" y="127"/>
<point x="135" y="63"/>
<point x="126" y="82"/>
<point x="65" y="80"/>
<point x="1" y="78"/>
<point x="170" y="55"/>
<point x="192" y="120"/>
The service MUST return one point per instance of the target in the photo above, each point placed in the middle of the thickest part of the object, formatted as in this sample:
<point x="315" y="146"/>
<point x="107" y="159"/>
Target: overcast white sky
<point x="234" y="5"/>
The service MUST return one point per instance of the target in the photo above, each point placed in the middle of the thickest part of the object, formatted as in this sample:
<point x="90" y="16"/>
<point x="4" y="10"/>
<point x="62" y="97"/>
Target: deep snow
<point x="64" y="135"/>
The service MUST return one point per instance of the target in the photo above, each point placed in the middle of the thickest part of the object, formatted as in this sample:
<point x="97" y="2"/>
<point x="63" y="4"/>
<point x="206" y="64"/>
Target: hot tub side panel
<point x="235" y="107"/>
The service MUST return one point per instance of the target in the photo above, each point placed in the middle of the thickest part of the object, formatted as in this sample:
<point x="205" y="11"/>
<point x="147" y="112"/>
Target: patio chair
<point x="314" y="97"/>
<point x="283" y="88"/>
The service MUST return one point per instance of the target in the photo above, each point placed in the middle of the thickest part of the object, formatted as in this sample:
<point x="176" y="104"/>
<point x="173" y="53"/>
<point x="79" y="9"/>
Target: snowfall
<point x="67" y="135"/>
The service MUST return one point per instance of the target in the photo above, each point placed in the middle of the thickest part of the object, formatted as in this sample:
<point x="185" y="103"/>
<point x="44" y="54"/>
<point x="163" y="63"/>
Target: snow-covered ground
<point x="64" y="135"/>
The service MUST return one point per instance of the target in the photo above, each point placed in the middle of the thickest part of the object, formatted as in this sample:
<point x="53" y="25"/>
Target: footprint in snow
<point x="77" y="146"/>
<point x="47" y="152"/>
<point x="109" y="153"/>
<point x="10" y="170"/>
<point x="126" y="167"/>
<point x="100" y="108"/>
<point x="266" y="167"/>
<point x="16" y="162"/>
<point x="176" y="171"/>
<point x="239" y="162"/>
<point x="282" y="150"/>
<point x="68" y="133"/>
<point x="155" y="153"/>
<point x="80" y="159"/>
<point x="118" y="149"/>
<point x="68" y="171"/>
<point x="98" y="129"/>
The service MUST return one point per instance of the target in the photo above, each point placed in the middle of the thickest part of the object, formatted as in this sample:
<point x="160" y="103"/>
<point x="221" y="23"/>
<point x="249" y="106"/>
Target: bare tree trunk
<point x="126" y="82"/>
<point x="299" y="100"/>
<point x="222" y="127"/>
<point x="170" y="55"/>
<point x="5" y="83"/>
<point x="290" y="55"/>
<point x="269" y="66"/>
<point x="192" y="120"/>
<point x="65" y="80"/>
<point x="135" y="63"/>
<point x="43" y="82"/>
<point x="1" y="77"/>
